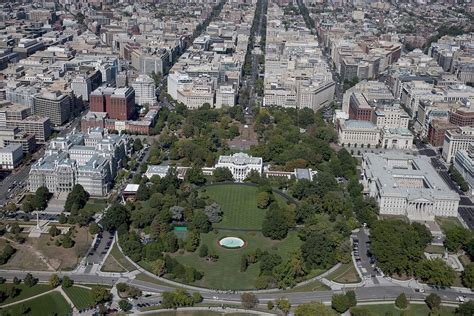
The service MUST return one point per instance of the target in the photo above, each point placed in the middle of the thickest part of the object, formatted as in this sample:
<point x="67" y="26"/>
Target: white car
<point x="461" y="299"/>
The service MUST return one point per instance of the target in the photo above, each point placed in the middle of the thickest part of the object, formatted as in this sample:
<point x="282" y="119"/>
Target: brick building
<point x="118" y="103"/>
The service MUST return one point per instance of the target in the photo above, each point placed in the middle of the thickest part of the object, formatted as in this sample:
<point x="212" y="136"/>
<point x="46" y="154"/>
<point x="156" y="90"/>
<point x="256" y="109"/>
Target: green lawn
<point x="239" y="203"/>
<point x="120" y="259"/>
<point x="81" y="297"/>
<point x="413" y="310"/>
<point x="225" y="273"/>
<point x="95" y="205"/>
<point x="446" y="222"/>
<point x="346" y="273"/>
<point x="25" y="292"/>
<point x="48" y="304"/>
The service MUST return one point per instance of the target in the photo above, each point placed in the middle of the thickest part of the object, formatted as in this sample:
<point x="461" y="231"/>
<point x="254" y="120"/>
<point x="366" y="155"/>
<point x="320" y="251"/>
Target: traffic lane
<point x="364" y="262"/>
<point x="467" y="215"/>
<point x="465" y="201"/>
<point x="98" y="254"/>
<point x="19" y="177"/>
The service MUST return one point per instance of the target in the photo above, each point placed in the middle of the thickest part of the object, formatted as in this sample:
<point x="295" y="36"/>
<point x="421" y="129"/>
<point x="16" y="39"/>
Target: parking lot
<point x="364" y="258"/>
<point x="99" y="249"/>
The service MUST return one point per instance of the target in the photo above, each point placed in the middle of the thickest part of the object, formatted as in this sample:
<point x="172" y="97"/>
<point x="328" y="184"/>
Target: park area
<point x="413" y="309"/>
<point x="49" y="304"/>
<point x="239" y="203"/>
<point x="225" y="273"/>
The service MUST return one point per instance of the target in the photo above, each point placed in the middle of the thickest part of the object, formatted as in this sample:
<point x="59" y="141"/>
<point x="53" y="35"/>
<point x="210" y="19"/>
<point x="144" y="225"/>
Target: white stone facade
<point x="240" y="164"/>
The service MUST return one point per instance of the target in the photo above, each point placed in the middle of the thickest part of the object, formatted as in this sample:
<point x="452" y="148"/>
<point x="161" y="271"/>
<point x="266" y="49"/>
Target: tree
<point x="222" y="174"/>
<point x="67" y="241"/>
<point x="54" y="281"/>
<point x="436" y="272"/>
<point x="315" y="308"/>
<point x="275" y="224"/>
<point x="352" y="298"/>
<point x="456" y="238"/>
<point x="76" y="199"/>
<point x="284" y="305"/>
<point x="124" y="305"/>
<point x="116" y="215"/>
<point x="24" y="309"/>
<point x="158" y="267"/>
<point x="468" y="276"/>
<point x="137" y="145"/>
<point x="203" y="251"/>
<point x="11" y="291"/>
<point x="40" y="199"/>
<point x="192" y="241"/>
<point x="340" y="303"/>
<point x="249" y="300"/>
<point x="433" y="301"/>
<point x="100" y="294"/>
<point x="30" y="280"/>
<point x="67" y="282"/>
<point x="195" y="176"/>
<point x="177" y="212"/>
<point x="16" y="281"/>
<point x="143" y="193"/>
<point x="201" y="222"/>
<point x="213" y="212"/>
<point x="263" y="200"/>
<point x="466" y="309"/>
<point x="197" y="298"/>
<point x="401" y="302"/>
<point x="54" y="231"/>
<point x="318" y="250"/>
<point x="270" y="305"/>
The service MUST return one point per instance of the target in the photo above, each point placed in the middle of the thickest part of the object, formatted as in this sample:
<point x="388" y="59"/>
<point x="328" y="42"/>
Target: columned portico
<point x="420" y="210"/>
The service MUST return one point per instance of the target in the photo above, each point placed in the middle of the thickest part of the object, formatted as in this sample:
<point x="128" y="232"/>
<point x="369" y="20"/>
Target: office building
<point x="407" y="185"/>
<point x="55" y="105"/>
<point x="11" y="156"/>
<point x="144" y="88"/>
<point x="455" y="140"/>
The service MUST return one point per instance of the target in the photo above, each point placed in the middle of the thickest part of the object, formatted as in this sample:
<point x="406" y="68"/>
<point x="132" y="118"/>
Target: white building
<point x="157" y="170"/>
<point x="225" y="96"/>
<point x="396" y="138"/>
<point x="144" y="88"/>
<point x="464" y="163"/>
<point x="11" y="156"/>
<point x="355" y="133"/>
<point x="407" y="185"/>
<point x="240" y="164"/>
<point x="455" y="140"/>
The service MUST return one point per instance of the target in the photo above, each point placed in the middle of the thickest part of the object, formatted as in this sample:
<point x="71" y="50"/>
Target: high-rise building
<point x="118" y="103"/>
<point x="144" y="88"/>
<point x="55" y="105"/>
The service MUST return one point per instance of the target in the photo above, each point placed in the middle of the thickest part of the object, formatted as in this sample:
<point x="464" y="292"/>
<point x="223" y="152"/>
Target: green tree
<point x="54" y="281"/>
<point x="315" y="308"/>
<point x="30" y="280"/>
<point x="124" y="305"/>
<point x="201" y="222"/>
<point x="195" y="176"/>
<point x="284" y="305"/>
<point x="213" y="212"/>
<point x="100" y="294"/>
<point x="116" y="215"/>
<point x="401" y="302"/>
<point x="466" y="309"/>
<point x="76" y="199"/>
<point x="94" y="228"/>
<point x="433" y="301"/>
<point x="263" y="200"/>
<point x="352" y="298"/>
<point x="40" y="199"/>
<point x="436" y="272"/>
<point x="249" y="300"/>
<point x="192" y="241"/>
<point x="203" y="251"/>
<point x="456" y="238"/>
<point x="137" y="145"/>
<point x="54" y="231"/>
<point x="340" y="303"/>
<point x="468" y="276"/>
<point x="270" y="305"/>
<point x="318" y="250"/>
<point x="197" y="298"/>
<point x="67" y="282"/>
<point x="275" y="224"/>
<point x="222" y="174"/>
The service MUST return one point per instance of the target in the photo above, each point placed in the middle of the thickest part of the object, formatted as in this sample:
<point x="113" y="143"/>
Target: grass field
<point x="48" y="304"/>
<point x="81" y="297"/>
<point x="59" y="257"/>
<point x="23" y="259"/>
<point x="446" y="222"/>
<point x="95" y="205"/>
<point x="346" y="273"/>
<point x="198" y="313"/>
<point x="225" y="273"/>
<point x="239" y="203"/>
<point x="412" y="310"/>
<point x="119" y="261"/>
<point x="25" y="292"/>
